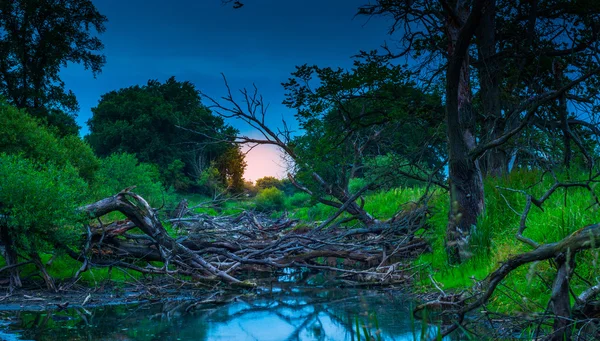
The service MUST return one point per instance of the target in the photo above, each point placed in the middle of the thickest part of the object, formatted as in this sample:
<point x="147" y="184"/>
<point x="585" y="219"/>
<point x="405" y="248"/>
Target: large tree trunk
<point x="466" y="184"/>
<point x="495" y="161"/>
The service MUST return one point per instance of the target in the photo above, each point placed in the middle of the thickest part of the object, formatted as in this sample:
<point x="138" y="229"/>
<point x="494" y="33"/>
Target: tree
<point x="43" y="179"/>
<point x="153" y="122"/>
<point x="231" y="166"/>
<point x="450" y="30"/>
<point x="37" y="39"/>
<point x="352" y="116"/>
<point x="268" y="181"/>
<point x="55" y="192"/>
<point x="20" y="133"/>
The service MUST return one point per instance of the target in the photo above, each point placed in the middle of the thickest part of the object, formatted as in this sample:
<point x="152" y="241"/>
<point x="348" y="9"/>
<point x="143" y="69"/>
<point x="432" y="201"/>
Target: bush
<point x="209" y="182"/>
<point x="268" y="181"/>
<point x="38" y="203"/>
<point x="270" y="199"/>
<point x="120" y="171"/>
<point x="175" y="177"/>
<point x="299" y="199"/>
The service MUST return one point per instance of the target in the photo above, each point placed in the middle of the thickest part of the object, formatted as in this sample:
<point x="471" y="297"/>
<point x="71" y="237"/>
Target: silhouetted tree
<point x="37" y="39"/>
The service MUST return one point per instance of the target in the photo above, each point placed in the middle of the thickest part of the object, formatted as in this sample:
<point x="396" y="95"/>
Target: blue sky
<point x="196" y="40"/>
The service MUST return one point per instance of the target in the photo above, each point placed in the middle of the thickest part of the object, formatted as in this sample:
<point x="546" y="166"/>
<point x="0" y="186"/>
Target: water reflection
<point x="278" y="314"/>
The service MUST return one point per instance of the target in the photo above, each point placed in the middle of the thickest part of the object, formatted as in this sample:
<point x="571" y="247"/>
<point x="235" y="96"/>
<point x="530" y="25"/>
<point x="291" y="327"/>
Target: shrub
<point x="209" y="182"/>
<point x="175" y="177"/>
<point x="268" y="181"/>
<point x="270" y="199"/>
<point x="38" y="203"/>
<point x="120" y="171"/>
<point x="299" y="199"/>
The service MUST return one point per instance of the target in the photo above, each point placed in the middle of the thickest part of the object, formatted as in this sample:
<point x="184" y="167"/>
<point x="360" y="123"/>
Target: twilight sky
<point x="196" y="40"/>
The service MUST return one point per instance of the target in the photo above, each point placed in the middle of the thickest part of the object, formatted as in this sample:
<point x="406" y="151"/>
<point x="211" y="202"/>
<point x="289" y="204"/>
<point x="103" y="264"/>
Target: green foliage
<point x="350" y="116"/>
<point x="174" y="176"/>
<point x="299" y="199"/>
<point x="146" y="120"/>
<point x="384" y="204"/>
<point x="268" y="181"/>
<point x="39" y="38"/>
<point x="250" y="189"/>
<point x="310" y="214"/>
<point x="20" y="133"/>
<point x="494" y="240"/>
<point x="80" y="155"/>
<point x="120" y="171"/>
<point x="388" y="171"/>
<point x="38" y="203"/>
<point x="209" y="182"/>
<point x="232" y="165"/>
<point x="270" y="199"/>
<point x="356" y="184"/>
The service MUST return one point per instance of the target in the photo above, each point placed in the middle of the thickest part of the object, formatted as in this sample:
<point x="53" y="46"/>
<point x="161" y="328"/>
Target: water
<point x="275" y="314"/>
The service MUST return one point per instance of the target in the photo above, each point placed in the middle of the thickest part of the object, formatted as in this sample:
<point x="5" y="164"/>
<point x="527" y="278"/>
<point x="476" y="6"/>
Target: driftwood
<point x="220" y="247"/>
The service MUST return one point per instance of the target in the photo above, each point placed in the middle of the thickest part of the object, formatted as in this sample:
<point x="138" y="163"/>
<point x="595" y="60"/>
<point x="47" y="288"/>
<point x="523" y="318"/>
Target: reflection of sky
<point x="197" y="40"/>
<point x="254" y="326"/>
<point x="329" y="323"/>
<point x="285" y="315"/>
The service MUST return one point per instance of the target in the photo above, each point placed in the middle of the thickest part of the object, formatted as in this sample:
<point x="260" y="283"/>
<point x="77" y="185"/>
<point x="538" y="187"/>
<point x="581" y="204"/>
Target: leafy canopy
<point x="146" y="120"/>
<point x="38" y="38"/>
<point x="20" y="133"/>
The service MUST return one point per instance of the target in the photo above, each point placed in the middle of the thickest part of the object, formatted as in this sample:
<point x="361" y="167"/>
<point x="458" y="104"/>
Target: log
<point x="136" y="209"/>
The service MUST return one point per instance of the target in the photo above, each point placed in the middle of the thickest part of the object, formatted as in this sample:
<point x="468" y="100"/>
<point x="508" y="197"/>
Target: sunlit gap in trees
<point x="264" y="160"/>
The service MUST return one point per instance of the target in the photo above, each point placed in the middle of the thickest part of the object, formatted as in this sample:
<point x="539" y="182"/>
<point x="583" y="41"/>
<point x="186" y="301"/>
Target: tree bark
<point x="495" y="161"/>
<point x="466" y="183"/>
<point x="560" y="300"/>
<point x="140" y="213"/>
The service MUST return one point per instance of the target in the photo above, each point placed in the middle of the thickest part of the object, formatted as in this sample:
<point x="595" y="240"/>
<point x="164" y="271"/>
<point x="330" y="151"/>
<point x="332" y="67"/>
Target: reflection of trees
<point x="309" y="314"/>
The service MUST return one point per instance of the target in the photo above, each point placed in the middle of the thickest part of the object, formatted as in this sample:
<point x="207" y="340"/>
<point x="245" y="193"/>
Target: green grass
<point x="495" y="234"/>
<point x="492" y="242"/>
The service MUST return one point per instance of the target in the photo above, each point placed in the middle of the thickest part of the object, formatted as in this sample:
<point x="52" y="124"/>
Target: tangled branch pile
<point x="220" y="247"/>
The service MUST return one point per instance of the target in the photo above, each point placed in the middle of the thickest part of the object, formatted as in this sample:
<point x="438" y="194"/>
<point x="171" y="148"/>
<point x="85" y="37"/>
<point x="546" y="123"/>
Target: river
<point x="279" y="313"/>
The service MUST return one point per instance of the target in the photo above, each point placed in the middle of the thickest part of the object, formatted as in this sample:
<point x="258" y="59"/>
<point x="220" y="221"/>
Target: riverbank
<point x="524" y="294"/>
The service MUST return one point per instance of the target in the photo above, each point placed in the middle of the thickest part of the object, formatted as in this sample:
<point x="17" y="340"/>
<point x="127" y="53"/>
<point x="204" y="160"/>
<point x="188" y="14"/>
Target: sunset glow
<point x="264" y="161"/>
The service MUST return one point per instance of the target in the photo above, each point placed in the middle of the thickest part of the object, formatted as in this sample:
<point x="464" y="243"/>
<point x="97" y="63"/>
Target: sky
<point x="197" y="40"/>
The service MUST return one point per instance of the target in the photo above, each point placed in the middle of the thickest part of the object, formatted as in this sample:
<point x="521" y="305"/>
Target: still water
<point x="273" y="314"/>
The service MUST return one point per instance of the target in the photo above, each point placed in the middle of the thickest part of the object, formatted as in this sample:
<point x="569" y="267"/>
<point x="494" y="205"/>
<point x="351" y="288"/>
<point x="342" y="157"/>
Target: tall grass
<point x="494" y="241"/>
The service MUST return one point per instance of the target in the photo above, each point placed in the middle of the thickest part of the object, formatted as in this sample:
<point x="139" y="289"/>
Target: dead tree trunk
<point x="560" y="300"/>
<point x="139" y="212"/>
<point x="37" y="261"/>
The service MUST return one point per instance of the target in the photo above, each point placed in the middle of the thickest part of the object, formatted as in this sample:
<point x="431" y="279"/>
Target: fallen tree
<point x="218" y="248"/>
